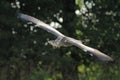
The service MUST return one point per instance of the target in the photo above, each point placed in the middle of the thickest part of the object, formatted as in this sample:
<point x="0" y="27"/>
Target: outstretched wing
<point x="39" y="24"/>
<point x="91" y="51"/>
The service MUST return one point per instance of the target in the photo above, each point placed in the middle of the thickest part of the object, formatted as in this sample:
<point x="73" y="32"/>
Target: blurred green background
<point x="25" y="54"/>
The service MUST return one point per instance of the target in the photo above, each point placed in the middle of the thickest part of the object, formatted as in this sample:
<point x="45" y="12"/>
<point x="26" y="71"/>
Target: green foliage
<point x="79" y="3"/>
<point x="39" y="75"/>
<point x="25" y="54"/>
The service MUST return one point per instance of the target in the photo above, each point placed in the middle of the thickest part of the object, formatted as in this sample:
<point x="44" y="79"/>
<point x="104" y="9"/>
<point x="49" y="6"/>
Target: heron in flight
<point x="62" y="40"/>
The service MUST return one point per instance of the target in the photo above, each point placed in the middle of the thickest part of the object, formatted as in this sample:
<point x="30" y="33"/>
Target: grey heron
<point x="62" y="39"/>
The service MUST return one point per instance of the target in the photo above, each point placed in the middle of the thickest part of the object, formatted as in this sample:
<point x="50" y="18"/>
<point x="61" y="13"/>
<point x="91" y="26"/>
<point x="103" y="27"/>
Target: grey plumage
<point x="62" y="39"/>
<point x="39" y="24"/>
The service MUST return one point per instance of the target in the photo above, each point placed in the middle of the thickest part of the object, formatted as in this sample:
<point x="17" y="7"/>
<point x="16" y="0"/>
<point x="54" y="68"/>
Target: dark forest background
<point x="25" y="54"/>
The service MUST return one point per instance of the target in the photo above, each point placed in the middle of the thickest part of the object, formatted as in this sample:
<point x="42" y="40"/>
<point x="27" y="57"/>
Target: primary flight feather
<point x="62" y="39"/>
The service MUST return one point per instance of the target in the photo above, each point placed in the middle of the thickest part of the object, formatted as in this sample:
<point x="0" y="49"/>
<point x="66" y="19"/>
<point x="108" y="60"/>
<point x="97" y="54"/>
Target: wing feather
<point x="91" y="51"/>
<point x="40" y="24"/>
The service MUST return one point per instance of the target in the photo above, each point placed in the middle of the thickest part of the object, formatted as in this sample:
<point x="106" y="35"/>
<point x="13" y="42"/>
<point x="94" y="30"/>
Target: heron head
<point x="54" y="43"/>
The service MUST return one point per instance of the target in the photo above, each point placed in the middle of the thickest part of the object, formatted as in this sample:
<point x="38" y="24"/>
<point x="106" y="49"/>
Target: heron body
<point x="63" y="40"/>
<point x="57" y="42"/>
